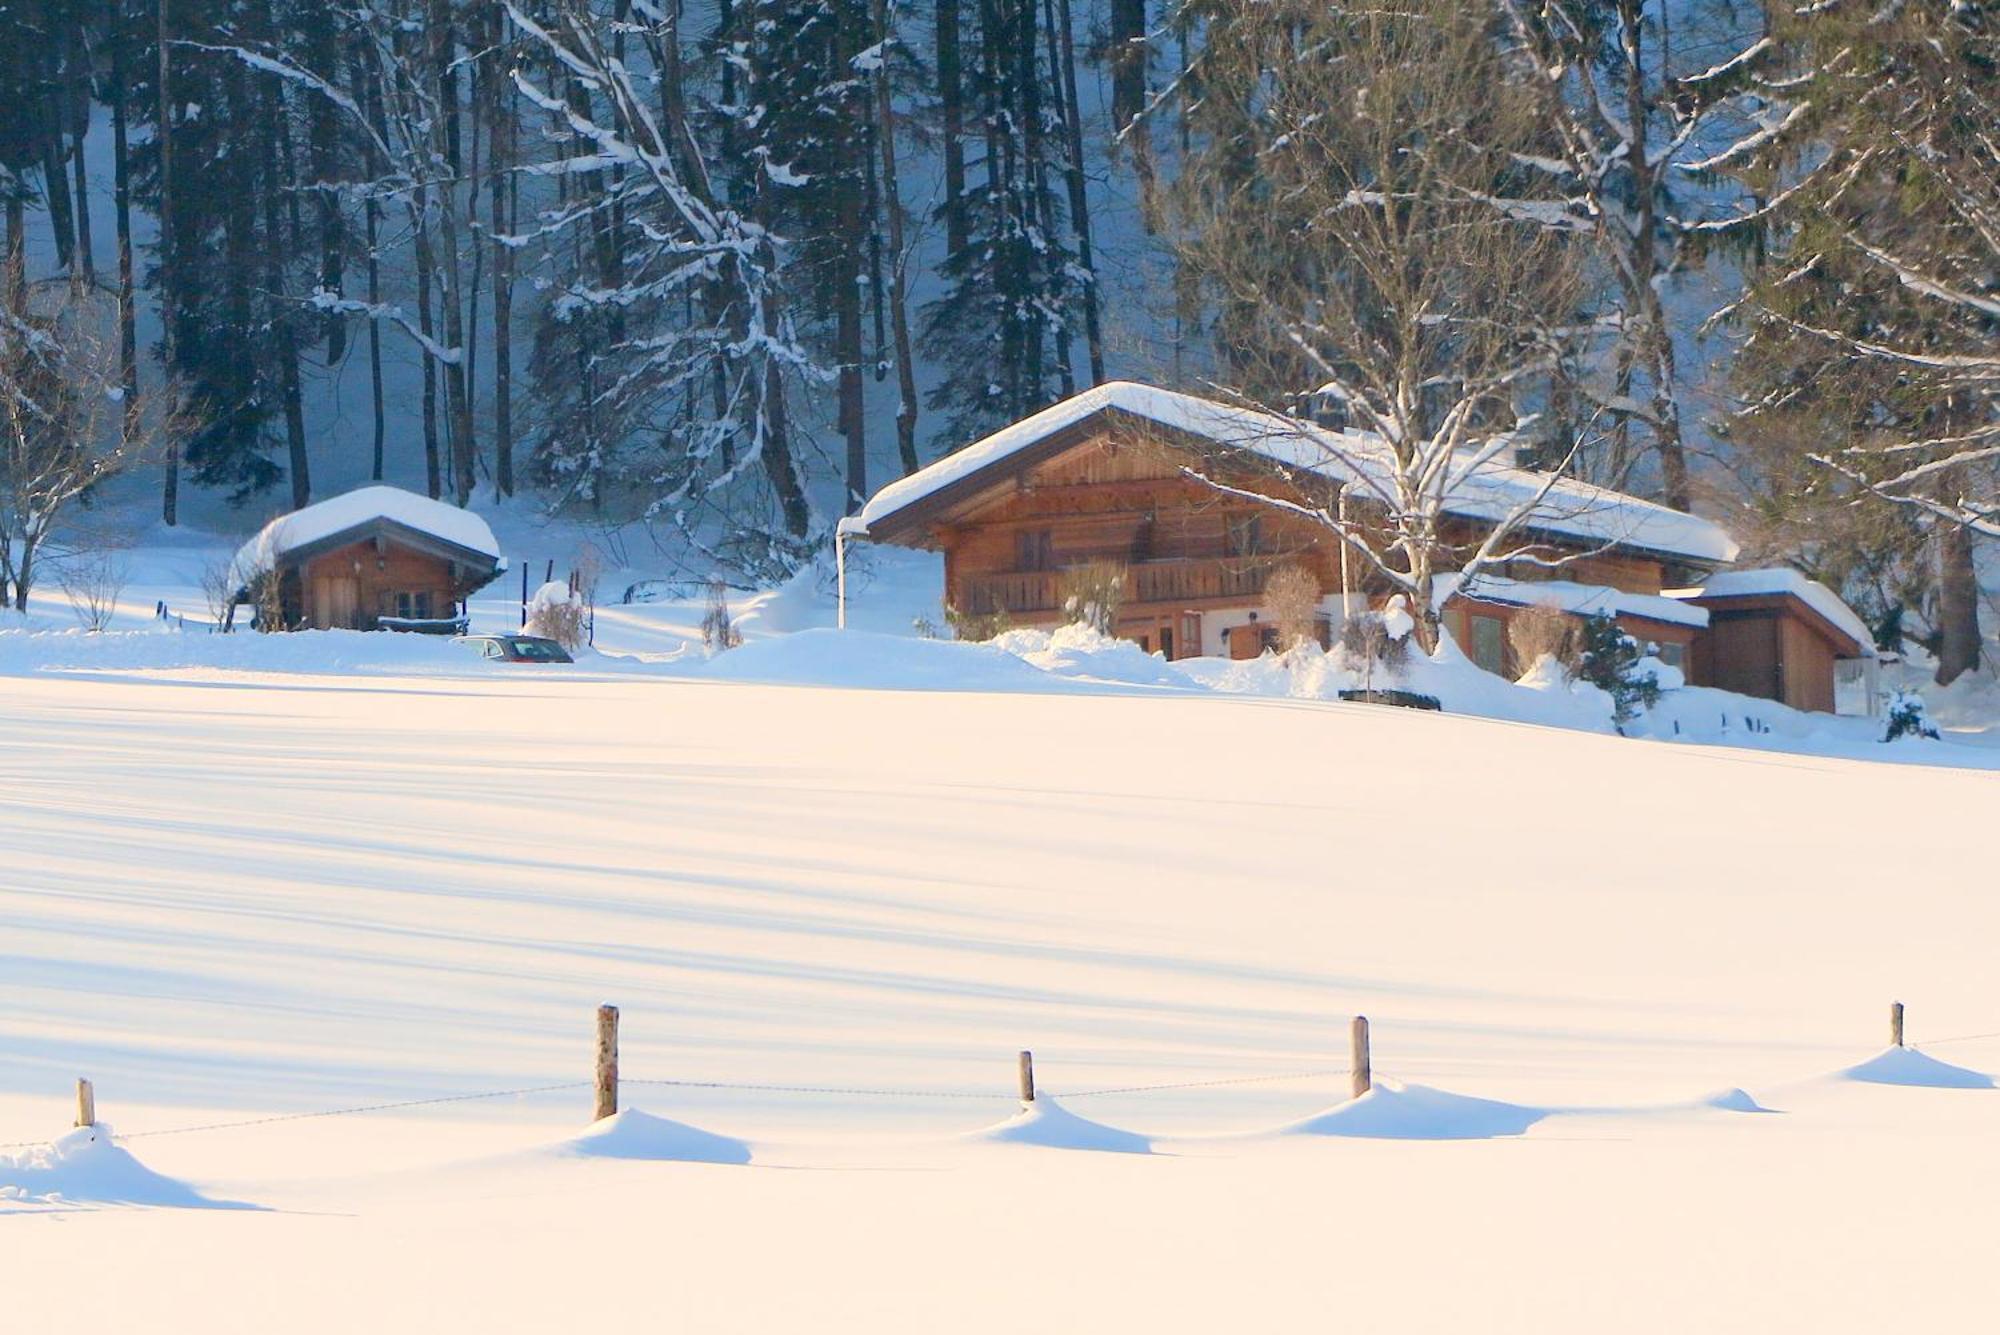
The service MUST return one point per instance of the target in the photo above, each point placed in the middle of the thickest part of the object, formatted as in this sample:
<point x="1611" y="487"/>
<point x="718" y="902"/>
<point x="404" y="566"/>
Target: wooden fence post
<point x="1896" y="1024"/>
<point x="1027" y="1072"/>
<point x="1364" y="1076"/>
<point x="607" y="1062"/>
<point x="86" y="1103"/>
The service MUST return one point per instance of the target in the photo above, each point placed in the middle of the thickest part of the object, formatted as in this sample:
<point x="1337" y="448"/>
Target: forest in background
<point x="728" y="267"/>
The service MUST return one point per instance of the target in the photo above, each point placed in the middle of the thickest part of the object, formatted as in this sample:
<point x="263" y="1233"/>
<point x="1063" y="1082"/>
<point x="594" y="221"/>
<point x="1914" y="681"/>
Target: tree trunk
<point x="1062" y="45"/>
<point x="1643" y="297"/>
<point x="121" y="167"/>
<point x="899" y="312"/>
<point x="433" y="475"/>
<point x="503" y="190"/>
<point x="277" y="301"/>
<point x="1958" y="603"/>
<point x="951" y="100"/>
<point x="372" y="215"/>
<point x="76" y="105"/>
<point x="848" y="349"/>
<point x="171" y="487"/>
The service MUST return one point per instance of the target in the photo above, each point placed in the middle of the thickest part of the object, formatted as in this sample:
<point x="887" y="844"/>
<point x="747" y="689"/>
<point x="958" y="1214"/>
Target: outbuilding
<point x="377" y="558"/>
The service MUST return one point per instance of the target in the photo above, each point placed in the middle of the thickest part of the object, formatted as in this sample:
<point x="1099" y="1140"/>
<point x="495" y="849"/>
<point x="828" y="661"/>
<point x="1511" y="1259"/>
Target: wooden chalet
<point x="1103" y="479"/>
<point x="378" y="558"/>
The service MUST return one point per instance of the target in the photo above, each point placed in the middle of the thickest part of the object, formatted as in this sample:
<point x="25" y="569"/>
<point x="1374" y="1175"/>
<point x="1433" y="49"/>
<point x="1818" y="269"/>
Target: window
<point x="413" y="606"/>
<point x="1167" y="642"/>
<point x="1489" y="642"/>
<point x="1673" y="655"/>
<point x="1034" y="549"/>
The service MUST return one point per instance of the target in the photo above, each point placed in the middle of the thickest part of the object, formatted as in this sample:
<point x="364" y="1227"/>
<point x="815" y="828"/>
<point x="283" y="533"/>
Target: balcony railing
<point x="1174" y="582"/>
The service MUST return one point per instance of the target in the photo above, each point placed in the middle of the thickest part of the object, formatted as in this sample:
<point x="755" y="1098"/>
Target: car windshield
<point x="539" y="650"/>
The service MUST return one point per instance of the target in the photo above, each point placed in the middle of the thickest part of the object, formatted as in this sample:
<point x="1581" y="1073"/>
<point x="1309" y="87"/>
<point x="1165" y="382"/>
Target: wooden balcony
<point x="1174" y="584"/>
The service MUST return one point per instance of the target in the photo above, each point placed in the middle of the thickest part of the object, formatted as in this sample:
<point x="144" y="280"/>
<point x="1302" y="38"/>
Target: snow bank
<point x="1907" y="1066"/>
<point x="1393" y="1110"/>
<point x="862" y="659"/>
<point x="640" y="1135"/>
<point x="87" y="1167"/>
<point x="165" y="649"/>
<point x="1047" y="1123"/>
<point x="1083" y="652"/>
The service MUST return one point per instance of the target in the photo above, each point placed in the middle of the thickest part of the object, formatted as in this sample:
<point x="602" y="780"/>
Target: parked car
<point x="517" y="648"/>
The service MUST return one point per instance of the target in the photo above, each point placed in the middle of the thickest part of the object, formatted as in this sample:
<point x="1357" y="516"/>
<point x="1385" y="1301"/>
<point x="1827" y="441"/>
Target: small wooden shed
<point x="378" y="558"/>
<point x="1778" y="635"/>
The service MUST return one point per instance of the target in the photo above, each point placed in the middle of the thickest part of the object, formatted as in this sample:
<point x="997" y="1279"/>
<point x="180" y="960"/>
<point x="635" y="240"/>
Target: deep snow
<point x="232" y="893"/>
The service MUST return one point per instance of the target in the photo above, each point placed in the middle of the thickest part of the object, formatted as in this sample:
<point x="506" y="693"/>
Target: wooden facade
<point x="1774" y="647"/>
<point x="376" y="575"/>
<point x="1113" y="490"/>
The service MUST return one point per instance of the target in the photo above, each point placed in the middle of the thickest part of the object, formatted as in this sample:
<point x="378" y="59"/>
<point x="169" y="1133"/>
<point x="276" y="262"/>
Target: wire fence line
<point x="749" y="1087"/>
<point x="608" y="1080"/>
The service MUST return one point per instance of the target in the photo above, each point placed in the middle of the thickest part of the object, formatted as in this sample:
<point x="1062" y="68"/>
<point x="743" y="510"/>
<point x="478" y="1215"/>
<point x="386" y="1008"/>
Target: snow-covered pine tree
<point x="806" y="125"/>
<point x="683" y="358"/>
<point x="1872" y="321"/>
<point x="1001" y="333"/>
<point x="1633" y="137"/>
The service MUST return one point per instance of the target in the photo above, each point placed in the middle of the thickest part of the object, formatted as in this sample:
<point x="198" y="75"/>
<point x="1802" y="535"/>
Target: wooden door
<point x="336" y="600"/>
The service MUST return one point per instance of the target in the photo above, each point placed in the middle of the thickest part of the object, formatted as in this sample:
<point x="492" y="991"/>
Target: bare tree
<point x="92" y="577"/>
<point x="1339" y="206"/>
<point x="67" y="420"/>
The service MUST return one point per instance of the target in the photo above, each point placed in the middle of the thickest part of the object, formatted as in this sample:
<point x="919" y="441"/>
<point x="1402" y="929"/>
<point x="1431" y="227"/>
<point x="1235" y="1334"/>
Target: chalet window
<point x="1673" y="655"/>
<point x="409" y="605"/>
<point x="1246" y="535"/>
<point x="1489" y="642"/>
<point x="1034" y="549"/>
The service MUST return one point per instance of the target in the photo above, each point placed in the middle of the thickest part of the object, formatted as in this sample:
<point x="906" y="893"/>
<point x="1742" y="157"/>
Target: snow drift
<point x="1393" y="1110"/>
<point x="632" y="1134"/>
<point x="86" y="1166"/>
<point x="1047" y="1123"/>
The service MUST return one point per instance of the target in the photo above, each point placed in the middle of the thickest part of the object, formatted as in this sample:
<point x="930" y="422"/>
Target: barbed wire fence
<point x="607" y="1082"/>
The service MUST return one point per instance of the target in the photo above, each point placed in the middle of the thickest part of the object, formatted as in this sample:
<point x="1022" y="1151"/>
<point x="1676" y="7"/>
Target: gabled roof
<point x="1736" y="586"/>
<point x="367" y="512"/>
<point x="1571" y="509"/>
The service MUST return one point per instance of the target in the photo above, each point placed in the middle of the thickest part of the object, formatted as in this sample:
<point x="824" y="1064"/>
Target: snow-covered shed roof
<point x="1490" y="492"/>
<point x="1580" y="599"/>
<point x="365" y="512"/>
<point x="1782" y="581"/>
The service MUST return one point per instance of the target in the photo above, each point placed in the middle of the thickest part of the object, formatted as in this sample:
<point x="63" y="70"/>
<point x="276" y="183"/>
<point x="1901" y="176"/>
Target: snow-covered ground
<point x="232" y="894"/>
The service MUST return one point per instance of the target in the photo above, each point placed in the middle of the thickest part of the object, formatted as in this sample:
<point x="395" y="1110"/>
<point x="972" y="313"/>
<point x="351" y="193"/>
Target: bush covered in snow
<point x="1907" y="717"/>
<point x="558" y="613"/>
<point x="1371" y="642"/>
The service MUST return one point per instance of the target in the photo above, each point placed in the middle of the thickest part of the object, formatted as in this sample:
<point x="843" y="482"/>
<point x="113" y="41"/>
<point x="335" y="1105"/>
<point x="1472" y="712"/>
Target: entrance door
<point x="336" y="599"/>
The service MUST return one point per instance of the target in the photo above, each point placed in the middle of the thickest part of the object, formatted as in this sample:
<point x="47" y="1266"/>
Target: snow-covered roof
<point x="1491" y="492"/>
<point x="1773" y="581"/>
<point x="331" y="519"/>
<point x="1581" y="599"/>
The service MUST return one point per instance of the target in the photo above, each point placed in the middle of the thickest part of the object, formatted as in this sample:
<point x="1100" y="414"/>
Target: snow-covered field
<point x="235" y="894"/>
